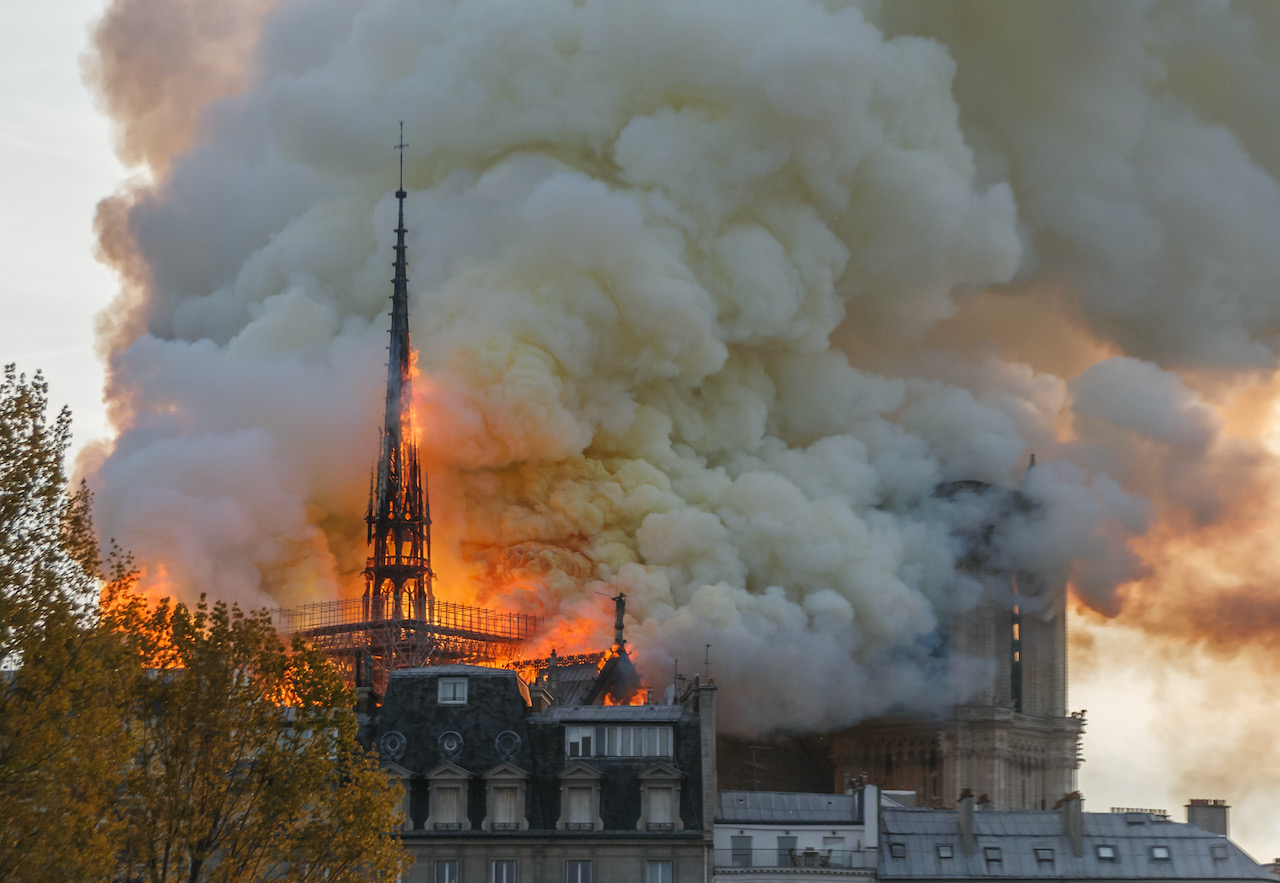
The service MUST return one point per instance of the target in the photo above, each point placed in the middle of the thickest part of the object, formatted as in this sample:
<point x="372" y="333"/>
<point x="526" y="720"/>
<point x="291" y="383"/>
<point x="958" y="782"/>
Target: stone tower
<point x="1009" y="735"/>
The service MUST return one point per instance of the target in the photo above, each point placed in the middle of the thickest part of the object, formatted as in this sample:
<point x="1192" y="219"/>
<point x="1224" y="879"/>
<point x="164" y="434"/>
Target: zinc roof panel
<point x="1019" y="834"/>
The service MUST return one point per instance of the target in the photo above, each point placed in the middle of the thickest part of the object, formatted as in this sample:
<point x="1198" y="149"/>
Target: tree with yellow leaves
<point x="246" y="762"/>
<point x="155" y="742"/>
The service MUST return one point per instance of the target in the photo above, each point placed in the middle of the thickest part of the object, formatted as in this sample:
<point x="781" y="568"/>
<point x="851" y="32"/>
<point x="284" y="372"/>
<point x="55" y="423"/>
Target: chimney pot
<point x="964" y="812"/>
<point x="1073" y="821"/>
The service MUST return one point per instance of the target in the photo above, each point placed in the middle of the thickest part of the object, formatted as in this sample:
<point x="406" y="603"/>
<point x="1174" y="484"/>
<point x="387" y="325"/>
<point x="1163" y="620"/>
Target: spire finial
<point x="400" y="194"/>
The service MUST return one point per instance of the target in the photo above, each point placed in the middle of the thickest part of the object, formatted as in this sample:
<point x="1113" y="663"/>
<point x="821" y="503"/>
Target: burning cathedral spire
<point x="399" y="513"/>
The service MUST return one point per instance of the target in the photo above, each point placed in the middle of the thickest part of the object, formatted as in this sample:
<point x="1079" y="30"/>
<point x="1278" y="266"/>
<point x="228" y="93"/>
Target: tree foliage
<point x="62" y="751"/>
<point x="247" y="765"/>
<point x="154" y="742"/>
<point x="45" y="536"/>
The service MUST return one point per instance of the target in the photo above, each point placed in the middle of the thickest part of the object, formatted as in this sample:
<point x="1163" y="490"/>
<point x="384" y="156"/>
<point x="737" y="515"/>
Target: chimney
<point x="1073" y="821"/>
<point x="983" y="802"/>
<point x="1208" y="815"/>
<point x="964" y="809"/>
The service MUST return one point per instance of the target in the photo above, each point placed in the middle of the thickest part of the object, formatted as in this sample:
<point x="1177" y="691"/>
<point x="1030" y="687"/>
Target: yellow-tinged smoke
<point x="710" y="296"/>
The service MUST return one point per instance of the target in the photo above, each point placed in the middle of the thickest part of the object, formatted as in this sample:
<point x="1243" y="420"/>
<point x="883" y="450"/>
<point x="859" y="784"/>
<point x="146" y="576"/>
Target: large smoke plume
<point x="709" y="298"/>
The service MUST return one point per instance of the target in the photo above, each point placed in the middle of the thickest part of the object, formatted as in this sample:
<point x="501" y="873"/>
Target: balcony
<point x="795" y="862"/>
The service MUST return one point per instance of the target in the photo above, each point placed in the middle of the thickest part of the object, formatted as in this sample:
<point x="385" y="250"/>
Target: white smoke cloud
<point x="683" y="283"/>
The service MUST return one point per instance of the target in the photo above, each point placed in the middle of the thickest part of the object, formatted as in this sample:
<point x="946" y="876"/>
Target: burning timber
<point x="398" y="623"/>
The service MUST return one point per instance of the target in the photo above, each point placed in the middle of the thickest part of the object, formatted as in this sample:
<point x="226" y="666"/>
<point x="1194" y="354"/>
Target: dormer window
<point x="580" y="799"/>
<point x="505" y="787"/>
<point x="453" y="691"/>
<point x="660" y="798"/>
<point x="448" y="785"/>
<point x="1160" y="853"/>
<point x="1106" y="853"/>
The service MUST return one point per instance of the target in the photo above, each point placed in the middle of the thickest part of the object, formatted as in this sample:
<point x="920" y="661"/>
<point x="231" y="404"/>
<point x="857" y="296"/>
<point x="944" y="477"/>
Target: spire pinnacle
<point x="400" y="194"/>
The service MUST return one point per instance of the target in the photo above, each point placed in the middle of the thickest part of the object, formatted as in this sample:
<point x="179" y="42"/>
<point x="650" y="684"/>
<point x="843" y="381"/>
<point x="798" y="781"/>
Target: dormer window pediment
<point x="660" y="771"/>
<point x="449" y="771"/>
<point x="580" y="770"/>
<point x="507" y="771"/>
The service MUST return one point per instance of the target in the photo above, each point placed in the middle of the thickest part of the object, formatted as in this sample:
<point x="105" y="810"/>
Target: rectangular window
<point x="991" y="853"/>
<point x="580" y="808"/>
<point x="661" y="812"/>
<point x="577" y="872"/>
<point x="657" y="872"/>
<point x="1106" y="853"/>
<point x="446" y="808"/>
<point x="504" y="871"/>
<point x="446" y="871"/>
<point x="1160" y="853"/>
<point x="786" y="851"/>
<point x="505" y="812"/>
<point x="578" y="741"/>
<point x="945" y="850"/>
<point x="453" y="691"/>
<point x="741" y="855"/>
<point x="618" y="741"/>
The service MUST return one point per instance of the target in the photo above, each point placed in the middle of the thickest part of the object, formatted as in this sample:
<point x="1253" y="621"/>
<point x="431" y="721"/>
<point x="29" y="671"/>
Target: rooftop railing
<point x="440" y="616"/>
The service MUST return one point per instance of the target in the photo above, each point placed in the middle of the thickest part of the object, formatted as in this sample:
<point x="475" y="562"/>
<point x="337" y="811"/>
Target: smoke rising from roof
<point x="709" y="299"/>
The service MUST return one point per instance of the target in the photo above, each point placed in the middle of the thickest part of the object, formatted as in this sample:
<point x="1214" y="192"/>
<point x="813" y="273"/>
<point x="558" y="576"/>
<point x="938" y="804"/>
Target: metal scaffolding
<point x="371" y="637"/>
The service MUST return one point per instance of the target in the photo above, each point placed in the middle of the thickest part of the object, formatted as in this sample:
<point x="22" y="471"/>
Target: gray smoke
<point x="709" y="298"/>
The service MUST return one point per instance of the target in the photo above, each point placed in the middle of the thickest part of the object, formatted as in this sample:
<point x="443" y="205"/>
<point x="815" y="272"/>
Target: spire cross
<point x="400" y="147"/>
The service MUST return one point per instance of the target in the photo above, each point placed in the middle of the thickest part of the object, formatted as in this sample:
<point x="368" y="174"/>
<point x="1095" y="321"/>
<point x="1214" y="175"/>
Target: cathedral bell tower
<point x="398" y="571"/>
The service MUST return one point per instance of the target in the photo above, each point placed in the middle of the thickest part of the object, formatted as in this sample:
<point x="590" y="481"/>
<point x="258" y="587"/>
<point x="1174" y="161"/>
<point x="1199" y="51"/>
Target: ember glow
<point x="709" y="298"/>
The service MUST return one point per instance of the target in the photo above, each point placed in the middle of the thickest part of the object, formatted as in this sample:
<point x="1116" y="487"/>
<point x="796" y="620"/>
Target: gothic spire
<point x="399" y="514"/>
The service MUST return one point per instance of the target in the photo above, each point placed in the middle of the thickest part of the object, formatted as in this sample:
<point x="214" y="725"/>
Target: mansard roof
<point x="1017" y="835"/>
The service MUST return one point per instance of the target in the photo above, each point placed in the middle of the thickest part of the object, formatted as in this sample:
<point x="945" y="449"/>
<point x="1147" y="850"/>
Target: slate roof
<point x="917" y="834"/>
<point x="782" y="806"/>
<point x="612" y="713"/>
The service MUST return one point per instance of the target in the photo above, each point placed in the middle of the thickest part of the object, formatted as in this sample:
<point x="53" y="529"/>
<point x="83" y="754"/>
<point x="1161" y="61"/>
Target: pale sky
<point x="56" y="162"/>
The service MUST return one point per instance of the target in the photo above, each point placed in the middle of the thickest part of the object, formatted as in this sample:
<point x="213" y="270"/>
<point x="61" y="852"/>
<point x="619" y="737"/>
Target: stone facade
<point x="1010" y="737"/>
<point x="500" y="792"/>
